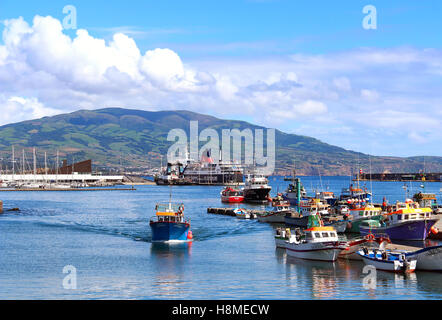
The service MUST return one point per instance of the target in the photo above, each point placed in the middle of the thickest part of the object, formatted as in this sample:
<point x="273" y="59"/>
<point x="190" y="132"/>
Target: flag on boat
<point x="207" y="157"/>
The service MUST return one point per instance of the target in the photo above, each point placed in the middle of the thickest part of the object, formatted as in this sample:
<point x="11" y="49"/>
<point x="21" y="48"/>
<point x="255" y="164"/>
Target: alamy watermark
<point x="70" y="281"/>
<point x="229" y="150"/>
<point x="70" y="20"/>
<point x="369" y="281"/>
<point x="370" y="21"/>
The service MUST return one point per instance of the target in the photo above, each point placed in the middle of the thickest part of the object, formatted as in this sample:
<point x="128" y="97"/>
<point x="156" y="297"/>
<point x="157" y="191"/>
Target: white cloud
<point x="361" y="90"/>
<point x="19" y="109"/>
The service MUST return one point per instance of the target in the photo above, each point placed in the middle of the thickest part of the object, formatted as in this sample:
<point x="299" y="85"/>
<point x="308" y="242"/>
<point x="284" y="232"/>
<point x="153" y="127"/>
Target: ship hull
<point x="272" y="217"/>
<point x="258" y="195"/>
<point x="296" y="222"/>
<point x="409" y="230"/>
<point x="169" y="231"/>
<point x="429" y="259"/>
<point x="327" y="251"/>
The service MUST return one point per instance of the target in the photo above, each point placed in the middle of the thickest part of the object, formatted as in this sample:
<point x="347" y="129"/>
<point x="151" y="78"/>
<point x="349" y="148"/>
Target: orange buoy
<point x="190" y="235"/>
<point x="434" y="230"/>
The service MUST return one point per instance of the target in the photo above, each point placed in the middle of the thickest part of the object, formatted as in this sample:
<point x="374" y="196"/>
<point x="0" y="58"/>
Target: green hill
<point x="135" y="138"/>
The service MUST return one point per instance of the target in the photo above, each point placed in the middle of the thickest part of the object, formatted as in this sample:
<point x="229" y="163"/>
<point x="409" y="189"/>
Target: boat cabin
<point x="169" y="212"/>
<point x="321" y="234"/>
<point x="313" y="206"/>
<point x="409" y="211"/>
<point x="365" y="212"/>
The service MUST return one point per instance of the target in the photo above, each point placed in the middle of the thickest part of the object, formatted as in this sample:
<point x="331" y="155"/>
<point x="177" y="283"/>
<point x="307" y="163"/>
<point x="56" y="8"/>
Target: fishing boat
<point x="327" y="197"/>
<point x="306" y="208"/>
<point x="256" y="188"/>
<point x="427" y="200"/>
<point x="242" y="213"/>
<point x="429" y="259"/>
<point x="317" y="242"/>
<point x="407" y="222"/>
<point x="368" y="241"/>
<point x="281" y="208"/>
<point x="361" y="212"/>
<point x="231" y="195"/>
<point x="169" y="224"/>
<point x="291" y="193"/>
<point x="386" y="261"/>
<point x="355" y="193"/>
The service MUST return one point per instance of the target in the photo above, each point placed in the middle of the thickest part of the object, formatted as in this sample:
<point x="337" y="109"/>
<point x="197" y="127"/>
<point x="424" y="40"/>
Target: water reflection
<point x="169" y="263"/>
<point x="321" y="275"/>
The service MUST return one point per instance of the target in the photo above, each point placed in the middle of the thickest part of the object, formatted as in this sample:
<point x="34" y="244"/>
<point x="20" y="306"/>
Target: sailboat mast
<point x="35" y="162"/>
<point x="13" y="163"/>
<point x="56" y="176"/>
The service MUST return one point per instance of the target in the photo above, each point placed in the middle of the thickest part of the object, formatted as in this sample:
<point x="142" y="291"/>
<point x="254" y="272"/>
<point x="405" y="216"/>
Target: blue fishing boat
<point x="169" y="224"/>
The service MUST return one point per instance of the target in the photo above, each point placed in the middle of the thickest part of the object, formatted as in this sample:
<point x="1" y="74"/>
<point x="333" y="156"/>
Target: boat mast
<point x="56" y="165"/>
<point x="13" y="163"/>
<point x="35" y="166"/>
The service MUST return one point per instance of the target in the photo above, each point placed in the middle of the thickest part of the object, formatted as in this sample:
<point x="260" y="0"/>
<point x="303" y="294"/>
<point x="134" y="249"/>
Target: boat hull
<point x="280" y="242"/>
<point x="257" y="195"/>
<point x="408" y="230"/>
<point x="388" y="265"/>
<point x="353" y="226"/>
<point x="277" y="217"/>
<point x="429" y="259"/>
<point x="322" y="251"/>
<point x="340" y="226"/>
<point x="169" y="231"/>
<point x="296" y="222"/>
<point x="232" y="199"/>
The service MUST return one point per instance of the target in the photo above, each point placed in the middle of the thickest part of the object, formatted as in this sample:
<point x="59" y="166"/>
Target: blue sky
<point x="306" y="67"/>
<point x="302" y="25"/>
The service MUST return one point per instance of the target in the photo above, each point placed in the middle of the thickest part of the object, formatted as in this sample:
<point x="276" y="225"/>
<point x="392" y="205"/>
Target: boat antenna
<point x="170" y="196"/>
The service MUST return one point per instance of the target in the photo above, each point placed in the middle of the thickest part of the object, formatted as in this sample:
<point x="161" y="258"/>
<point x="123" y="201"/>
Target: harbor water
<point x="105" y="236"/>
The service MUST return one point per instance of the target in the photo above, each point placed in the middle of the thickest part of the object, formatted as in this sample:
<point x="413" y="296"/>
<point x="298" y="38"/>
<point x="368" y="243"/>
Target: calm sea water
<point x="106" y="237"/>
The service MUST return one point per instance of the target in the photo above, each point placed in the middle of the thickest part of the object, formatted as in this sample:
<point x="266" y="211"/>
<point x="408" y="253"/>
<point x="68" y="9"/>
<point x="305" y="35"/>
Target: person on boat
<point x="384" y="255"/>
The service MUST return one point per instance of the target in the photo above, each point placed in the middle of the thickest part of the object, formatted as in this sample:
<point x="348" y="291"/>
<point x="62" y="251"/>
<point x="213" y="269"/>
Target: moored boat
<point x="407" y="222"/>
<point x="242" y="213"/>
<point x="429" y="259"/>
<point x="317" y="242"/>
<point x="360" y="213"/>
<point x="256" y="188"/>
<point x="231" y="195"/>
<point x="169" y="224"/>
<point x="307" y="207"/>
<point x="369" y="241"/>
<point x="281" y="209"/>
<point x="387" y="261"/>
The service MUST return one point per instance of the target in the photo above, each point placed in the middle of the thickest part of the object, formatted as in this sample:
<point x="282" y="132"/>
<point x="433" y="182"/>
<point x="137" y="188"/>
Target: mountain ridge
<point x="115" y="137"/>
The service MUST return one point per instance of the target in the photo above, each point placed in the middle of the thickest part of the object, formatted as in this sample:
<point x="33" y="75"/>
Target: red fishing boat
<point x="231" y="195"/>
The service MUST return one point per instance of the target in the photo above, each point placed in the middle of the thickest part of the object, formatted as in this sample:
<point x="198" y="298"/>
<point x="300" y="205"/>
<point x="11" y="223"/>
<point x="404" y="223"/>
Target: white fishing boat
<point x="317" y="243"/>
<point x="429" y="259"/>
<point x="387" y="261"/>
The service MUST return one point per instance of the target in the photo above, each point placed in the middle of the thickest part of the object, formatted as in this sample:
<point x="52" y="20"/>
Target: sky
<point x="304" y="67"/>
